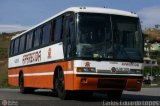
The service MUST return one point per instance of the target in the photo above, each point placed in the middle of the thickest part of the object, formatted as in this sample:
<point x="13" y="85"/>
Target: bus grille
<point x="105" y="83"/>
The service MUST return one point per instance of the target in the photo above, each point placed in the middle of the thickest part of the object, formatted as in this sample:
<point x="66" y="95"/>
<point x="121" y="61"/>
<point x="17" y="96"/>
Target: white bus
<point x="81" y="49"/>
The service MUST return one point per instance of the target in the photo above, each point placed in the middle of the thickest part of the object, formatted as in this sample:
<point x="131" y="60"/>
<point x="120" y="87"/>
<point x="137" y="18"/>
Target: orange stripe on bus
<point x="42" y="81"/>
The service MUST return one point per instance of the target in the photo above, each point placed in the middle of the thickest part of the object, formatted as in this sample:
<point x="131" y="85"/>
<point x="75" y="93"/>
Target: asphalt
<point x="12" y="97"/>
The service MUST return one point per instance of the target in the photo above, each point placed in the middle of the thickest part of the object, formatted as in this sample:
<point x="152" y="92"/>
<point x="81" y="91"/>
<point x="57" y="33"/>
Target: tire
<point x="59" y="86"/>
<point x="23" y="89"/>
<point x="54" y="93"/>
<point x="114" y="95"/>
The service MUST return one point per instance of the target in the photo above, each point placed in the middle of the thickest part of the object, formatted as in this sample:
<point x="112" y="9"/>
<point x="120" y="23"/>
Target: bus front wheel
<point x="60" y="85"/>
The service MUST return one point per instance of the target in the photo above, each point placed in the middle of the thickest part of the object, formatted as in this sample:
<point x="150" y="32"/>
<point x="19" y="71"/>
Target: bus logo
<point x="87" y="64"/>
<point x="113" y="69"/>
<point x="4" y="102"/>
<point x="49" y="53"/>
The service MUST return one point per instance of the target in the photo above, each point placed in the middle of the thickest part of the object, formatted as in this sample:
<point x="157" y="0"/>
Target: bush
<point x="3" y="79"/>
<point x="3" y="75"/>
<point x="155" y="70"/>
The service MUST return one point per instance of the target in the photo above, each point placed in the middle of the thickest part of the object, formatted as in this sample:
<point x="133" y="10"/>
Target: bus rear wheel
<point x="23" y="89"/>
<point x="60" y="86"/>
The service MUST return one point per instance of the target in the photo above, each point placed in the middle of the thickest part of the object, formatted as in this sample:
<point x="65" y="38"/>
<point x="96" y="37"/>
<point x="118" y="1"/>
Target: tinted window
<point x="16" y="46"/>
<point x="12" y="47"/>
<point x="29" y="40"/>
<point x="127" y="38"/>
<point x="22" y="43"/>
<point x="68" y="34"/>
<point x="94" y="36"/>
<point x="52" y="31"/>
<point x="65" y="27"/>
<point x="58" y="29"/>
<point x="38" y="33"/>
<point x="46" y="33"/>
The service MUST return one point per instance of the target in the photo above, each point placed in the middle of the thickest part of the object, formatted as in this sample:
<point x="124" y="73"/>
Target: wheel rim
<point x="60" y="82"/>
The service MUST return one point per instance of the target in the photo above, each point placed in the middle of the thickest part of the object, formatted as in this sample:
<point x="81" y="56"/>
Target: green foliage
<point x="3" y="74"/>
<point x="151" y="39"/>
<point x="158" y="60"/>
<point x="155" y="55"/>
<point x="3" y="53"/>
<point x="3" y="79"/>
<point x="4" y="46"/>
<point x="155" y="70"/>
<point x="155" y="73"/>
<point x="146" y="71"/>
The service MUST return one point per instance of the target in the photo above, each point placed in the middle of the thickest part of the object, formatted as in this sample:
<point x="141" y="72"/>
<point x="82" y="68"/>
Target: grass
<point x="4" y="44"/>
<point x="3" y="75"/>
<point x="3" y="54"/>
<point x="3" y="79"/>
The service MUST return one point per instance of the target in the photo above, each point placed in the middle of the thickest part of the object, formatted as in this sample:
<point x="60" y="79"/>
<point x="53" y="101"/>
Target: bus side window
<point x="29" y="40"/>
<point x="37" y="37"/>
<point x="58" y="29"/>
<point x="22" y="43"/>
<point x="12" y="48"/>
<point x="46" y="33"/>
<point x="16" y="46"/>
<point x="65" y="27"/>
<point x="52" y="31"/>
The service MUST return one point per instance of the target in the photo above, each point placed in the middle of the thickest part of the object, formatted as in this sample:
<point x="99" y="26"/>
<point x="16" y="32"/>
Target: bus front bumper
<point x="107" y="82"/>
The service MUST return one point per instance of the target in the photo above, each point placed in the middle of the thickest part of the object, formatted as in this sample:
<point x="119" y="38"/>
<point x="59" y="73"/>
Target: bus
<point x="81" y="49"/>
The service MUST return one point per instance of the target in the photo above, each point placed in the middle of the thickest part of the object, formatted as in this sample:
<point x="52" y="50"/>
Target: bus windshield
<point x="102" y="36"/>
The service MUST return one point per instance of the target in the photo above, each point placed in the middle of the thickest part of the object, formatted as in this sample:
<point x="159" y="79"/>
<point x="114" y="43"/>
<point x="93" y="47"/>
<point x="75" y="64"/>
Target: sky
<point x="16" y="15"/>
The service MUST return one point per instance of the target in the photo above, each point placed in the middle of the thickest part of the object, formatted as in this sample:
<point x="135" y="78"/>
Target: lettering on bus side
<point x="130" y="64"/>
<point x="32" y="57"/>
<point x="16" y="61"/>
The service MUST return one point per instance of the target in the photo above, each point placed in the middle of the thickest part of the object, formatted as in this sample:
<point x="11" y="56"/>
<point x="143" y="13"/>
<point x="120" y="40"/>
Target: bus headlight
<point x="86" y="69"/>
<point x="135" y="71"/>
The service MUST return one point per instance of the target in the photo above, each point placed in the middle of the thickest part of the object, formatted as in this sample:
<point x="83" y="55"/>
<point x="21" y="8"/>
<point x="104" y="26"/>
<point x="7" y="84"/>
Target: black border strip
<point x="107" y="76"/>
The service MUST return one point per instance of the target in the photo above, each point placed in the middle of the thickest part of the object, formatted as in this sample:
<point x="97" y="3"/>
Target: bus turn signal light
<point x="86" y="69"/>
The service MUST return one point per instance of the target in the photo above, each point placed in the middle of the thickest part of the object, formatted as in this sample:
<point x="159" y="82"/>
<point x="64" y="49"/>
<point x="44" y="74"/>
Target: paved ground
<point x="45" y="98"/>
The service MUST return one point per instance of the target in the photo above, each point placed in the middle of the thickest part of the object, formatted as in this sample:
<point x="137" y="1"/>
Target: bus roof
<point x="85" y="10"/>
